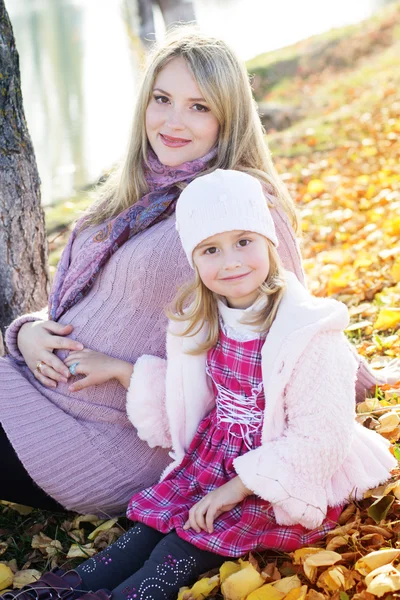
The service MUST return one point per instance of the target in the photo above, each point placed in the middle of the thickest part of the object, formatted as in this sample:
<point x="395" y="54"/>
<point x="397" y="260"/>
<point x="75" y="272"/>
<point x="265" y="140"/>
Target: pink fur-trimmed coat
<point x="313" y="453"/>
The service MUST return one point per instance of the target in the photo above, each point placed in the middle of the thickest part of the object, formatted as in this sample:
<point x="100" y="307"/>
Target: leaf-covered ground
<point x="342" y="166"/>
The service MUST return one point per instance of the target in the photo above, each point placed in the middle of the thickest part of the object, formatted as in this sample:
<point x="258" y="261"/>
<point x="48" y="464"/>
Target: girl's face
<point x="179" y="123"/>
<point x="233" y="264"/>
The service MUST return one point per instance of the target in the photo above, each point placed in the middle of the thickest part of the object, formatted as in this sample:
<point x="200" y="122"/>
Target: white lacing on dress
<point x="238" y="409"/>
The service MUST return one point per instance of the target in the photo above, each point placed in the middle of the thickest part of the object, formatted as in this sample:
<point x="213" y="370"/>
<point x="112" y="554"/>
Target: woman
<point x="122" y="266"/>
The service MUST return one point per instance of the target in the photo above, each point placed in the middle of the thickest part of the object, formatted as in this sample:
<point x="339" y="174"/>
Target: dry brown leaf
<point x="314" y="595"/>
<point x="270" y="573"/>
<point x="25" y="577"/>
<point x="287" y="583"/>
<point x="338" y="541"/>
<point x="336" y="578"/>
<point x="81" y="551"/>
<point x="21" y="509"/>
<point x="324" y="558"/>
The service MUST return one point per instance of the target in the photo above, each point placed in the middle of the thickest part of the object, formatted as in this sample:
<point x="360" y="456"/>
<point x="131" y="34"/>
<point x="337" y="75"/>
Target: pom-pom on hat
<point x="223" y="200"/>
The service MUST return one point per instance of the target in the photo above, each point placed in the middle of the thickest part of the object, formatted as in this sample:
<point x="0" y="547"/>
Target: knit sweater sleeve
<point x="293" y="471"/>
<point x="11" y="335"/>
<point x="288" y="249"/>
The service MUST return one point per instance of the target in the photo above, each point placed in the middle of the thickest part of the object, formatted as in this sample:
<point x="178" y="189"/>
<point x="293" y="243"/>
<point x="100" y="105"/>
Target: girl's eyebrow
<point x="205" y="244"/>
<point x="239" y="235"/>
<point x="169" y="95"/>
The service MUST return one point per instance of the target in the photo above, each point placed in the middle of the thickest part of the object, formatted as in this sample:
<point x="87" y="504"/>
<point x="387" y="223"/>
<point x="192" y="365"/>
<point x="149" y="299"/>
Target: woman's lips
<point x="173" y="142"/>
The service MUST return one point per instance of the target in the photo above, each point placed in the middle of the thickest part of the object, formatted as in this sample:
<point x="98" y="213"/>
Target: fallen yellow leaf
<point x="81" y="551"/>
<point x="315" y="187"/>
<point x="228" y="568"/>
<point x="239" y="585"/>
<point x="297" y="593"/>
<point x="388" y="318"/>
<point x="382" y="584"/>
<point x="287" y="583"/>
<point x="388" y="569"/>
<point x="395" y="270"/>
<point x="201" y="589"/>
<point x="183" y="591"/>
<point x="6" y="577"/>
<point x="299" y="556"/>
<point x="103" y="527"/>
<point x="376" y="559"/>
<point x="266" y="592"/>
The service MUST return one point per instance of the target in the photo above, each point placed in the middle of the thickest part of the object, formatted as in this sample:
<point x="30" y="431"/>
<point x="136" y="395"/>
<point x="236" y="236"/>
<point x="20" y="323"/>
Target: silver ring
<point x="72" y="368"/>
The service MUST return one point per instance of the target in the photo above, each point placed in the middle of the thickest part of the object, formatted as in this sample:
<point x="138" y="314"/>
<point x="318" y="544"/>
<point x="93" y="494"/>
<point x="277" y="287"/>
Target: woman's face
<point x="179" y="123"/>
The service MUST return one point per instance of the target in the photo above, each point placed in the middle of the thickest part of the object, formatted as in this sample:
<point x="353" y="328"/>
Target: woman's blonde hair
<point x="224" y="82"/>
<point x="196" y="305"/>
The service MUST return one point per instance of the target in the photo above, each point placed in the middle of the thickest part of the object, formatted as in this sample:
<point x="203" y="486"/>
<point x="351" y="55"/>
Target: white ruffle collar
<point x="231" y="319"/>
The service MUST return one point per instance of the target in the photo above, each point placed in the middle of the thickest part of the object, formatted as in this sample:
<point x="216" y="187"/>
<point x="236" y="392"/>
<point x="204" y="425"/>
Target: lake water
<point x="79" y="71"/>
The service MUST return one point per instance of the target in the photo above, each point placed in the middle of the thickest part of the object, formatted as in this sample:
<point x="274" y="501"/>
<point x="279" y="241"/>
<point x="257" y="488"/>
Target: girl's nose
<point x="232" y="263"/>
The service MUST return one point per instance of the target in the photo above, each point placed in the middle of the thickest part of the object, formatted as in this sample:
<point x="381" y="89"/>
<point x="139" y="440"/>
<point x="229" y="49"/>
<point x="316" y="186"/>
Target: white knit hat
<point x="222" y="201"/>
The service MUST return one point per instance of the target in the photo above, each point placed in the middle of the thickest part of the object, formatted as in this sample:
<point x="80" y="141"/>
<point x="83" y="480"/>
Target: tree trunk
<point x="177" y="10"/>
<point x="24" y="278"/>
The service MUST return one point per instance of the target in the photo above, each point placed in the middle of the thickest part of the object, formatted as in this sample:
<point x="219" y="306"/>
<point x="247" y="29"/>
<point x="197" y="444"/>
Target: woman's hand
<point x="98" y="368"/>
<point x="36" y="342"/>
<point x="203" y="514"/>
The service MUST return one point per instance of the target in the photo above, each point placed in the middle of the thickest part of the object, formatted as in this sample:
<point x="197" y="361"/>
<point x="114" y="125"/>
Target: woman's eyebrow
<point x="190" y="99"/>
<point x="160" y="90"/>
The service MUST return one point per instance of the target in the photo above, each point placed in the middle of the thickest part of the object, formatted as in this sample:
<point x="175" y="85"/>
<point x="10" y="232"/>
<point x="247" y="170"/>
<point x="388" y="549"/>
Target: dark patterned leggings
<point x="145" y="564"/>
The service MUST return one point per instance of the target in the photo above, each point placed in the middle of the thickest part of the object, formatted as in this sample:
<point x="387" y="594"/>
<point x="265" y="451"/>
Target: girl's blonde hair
<point x="196" y="305"/>
<point x="224" y="82"/>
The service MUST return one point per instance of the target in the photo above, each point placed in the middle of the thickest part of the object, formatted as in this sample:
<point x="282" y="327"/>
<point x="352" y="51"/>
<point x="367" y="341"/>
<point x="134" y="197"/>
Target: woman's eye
<point x="161" y="99"/>
<point x="200" y="108"/>
<point x="244" y="243"/>
<point x="211" y="250"/>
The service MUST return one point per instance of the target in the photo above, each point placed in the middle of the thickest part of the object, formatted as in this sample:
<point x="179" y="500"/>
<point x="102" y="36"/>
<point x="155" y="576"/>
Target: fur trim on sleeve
<point x="145" y="402"/>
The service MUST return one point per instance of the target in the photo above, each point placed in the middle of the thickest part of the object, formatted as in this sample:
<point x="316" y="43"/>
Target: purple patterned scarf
<point x="73" y="281"/>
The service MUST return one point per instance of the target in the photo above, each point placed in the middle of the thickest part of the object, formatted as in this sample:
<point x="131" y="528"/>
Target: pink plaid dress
<point x="231" y="429"/>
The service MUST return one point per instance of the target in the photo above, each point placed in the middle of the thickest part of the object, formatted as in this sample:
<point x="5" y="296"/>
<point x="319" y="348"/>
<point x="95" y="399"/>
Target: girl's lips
<point x="173" y="142"/>
<point x="234" y="278"/>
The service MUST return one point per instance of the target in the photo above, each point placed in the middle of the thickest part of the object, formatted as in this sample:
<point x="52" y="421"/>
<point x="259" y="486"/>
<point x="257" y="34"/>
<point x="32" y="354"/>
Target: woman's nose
<point x="174" y="119"/>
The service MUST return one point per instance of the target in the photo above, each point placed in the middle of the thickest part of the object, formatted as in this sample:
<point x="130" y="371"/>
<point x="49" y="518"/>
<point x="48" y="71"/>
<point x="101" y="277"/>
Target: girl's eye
<point x="161" y="99"/>
<point x="200" y="108"/>
<point x="244" y="243"/>
<point x="211" y="250"/>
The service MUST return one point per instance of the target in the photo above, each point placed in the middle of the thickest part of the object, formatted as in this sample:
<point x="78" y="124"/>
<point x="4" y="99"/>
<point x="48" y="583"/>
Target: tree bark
<point x="177" y="10"/>
<point x="24" y="279"/>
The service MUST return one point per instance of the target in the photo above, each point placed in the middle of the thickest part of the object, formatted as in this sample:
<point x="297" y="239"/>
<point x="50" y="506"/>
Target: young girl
<point x="256" y="398"/>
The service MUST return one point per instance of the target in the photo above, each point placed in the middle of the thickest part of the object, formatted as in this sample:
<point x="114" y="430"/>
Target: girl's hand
<point x="203" y="514"/>
<point x="36" y="342"/>
<point x="98" y="368"/>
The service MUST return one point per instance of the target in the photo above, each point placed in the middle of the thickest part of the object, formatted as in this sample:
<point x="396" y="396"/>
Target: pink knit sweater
<point x="80" y="447"/>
